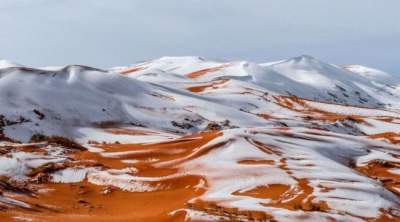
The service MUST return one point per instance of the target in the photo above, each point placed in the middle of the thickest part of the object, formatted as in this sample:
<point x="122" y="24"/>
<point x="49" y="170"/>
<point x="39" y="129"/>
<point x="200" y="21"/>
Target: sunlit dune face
<point x="131" y="70"/>
<point x="271" y="191"/>
<point x="391" y="137"/>
<point x="163" y="151"/>
<point x="227" y="213"/>
<point x="264" y="116"/>
<point x="386" y="119"/>
<point x="117" y="156"/>
<point x="88" y="202"/>
<point x="284" y="196"/>
<point x="300" y="198"/>
<point x="384" y="171"/>
<point x="299" y="105"/>
<point x="216" y="84"/>
<point x="126" y="131"/>
<point x="205" y="71"/>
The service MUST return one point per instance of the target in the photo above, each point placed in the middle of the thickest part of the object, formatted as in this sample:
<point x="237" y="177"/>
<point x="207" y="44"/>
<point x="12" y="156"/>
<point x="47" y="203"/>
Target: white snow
<point x="18" y="164"/>
<point x="83" y="103"/>
<point x="70" y="175"/>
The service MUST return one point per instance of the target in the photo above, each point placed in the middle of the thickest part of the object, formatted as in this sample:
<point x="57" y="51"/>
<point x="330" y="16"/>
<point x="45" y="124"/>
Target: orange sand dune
<point x="131" y="70"/>
<point x="86" y="201"/>
<point x="202" y="72"/>
<point x="202" y="87"/>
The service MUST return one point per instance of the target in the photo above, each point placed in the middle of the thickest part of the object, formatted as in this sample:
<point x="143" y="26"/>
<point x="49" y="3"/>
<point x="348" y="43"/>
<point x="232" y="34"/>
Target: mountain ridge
<point x="297" y="139"/>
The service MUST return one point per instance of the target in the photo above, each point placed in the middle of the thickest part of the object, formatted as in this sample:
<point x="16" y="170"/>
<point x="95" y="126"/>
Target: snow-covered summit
<point x="303" y="76"/>
<point x="371" y="73"/>
<point x="8" y="64"/>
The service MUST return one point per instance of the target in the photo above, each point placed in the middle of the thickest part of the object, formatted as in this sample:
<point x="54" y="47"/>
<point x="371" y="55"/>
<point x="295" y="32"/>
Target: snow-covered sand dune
<point x="192" y="139"/>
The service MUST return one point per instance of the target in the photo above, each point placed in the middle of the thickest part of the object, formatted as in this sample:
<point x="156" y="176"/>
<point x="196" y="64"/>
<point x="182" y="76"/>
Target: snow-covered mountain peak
<point x="303" y="76"/>
<point x="306" y="62"/>
<point x="8" y="64"/>
<point x="303" y="59"/>
<point x="182" y="58"/>
<point x="368" y="72"/>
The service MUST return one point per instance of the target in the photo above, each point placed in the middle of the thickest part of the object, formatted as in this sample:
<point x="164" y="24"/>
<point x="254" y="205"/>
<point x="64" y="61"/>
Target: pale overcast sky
<point x="119" y="32"/>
